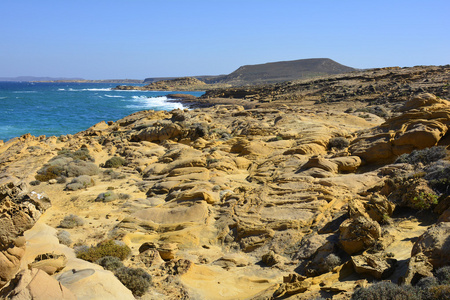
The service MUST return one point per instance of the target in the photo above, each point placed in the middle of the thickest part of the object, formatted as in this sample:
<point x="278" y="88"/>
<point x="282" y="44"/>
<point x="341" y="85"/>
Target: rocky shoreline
<point x="300" y="190"/>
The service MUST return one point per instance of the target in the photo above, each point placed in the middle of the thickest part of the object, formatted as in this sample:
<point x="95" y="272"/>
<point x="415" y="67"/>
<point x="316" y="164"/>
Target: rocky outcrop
<point x="423" y="123"/>
<point x="20" y="211"/>
<point x="222" y="202"/>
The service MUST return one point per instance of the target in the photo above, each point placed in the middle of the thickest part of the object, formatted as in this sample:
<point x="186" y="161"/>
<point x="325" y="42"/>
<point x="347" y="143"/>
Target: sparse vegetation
<point x="386" y="290"/>
<point x="136" y="280"/>
<point x="64" y="237"/>
<point x="80" y="182"/>
<point x="68" y="164"/>
<point x="338" y="143"/>
<point x="71" y="221"/>
<point x="115" y="162"/>
<point x="106" y="248"/>
<point x="110" y="263"/>
<point x="424" y="156"/>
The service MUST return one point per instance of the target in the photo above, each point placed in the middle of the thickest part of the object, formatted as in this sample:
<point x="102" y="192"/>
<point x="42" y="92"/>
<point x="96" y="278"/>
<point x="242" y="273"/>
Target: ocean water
<point x="67" y="108"/>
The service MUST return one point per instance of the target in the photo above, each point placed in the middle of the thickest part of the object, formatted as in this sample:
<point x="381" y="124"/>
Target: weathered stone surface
<point x="418" y="268"/>
<point x="36" y="284"/>
<point x="373" y="265"/>
<point x="435" y="245"/>
<point x="358" y="234"/>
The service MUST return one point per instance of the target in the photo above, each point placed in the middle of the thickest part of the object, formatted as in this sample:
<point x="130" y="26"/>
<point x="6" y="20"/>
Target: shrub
<point x="64" y="238"/>
<point x="81" y="154"/>
<point x="80" y="182"/>
<point x="35" y="182"/>
<point x="438" y="175"/>
<point x="71" y="221"/>
<point x="106" y="197"/>
<point x="338" y="142"/>
<point x="438" y="292"/>
<point x="332" y="261"/>
<point x="66" y="166"/>
<point x="114" y="162"/>
<point x="424" y="156"/>
<point x="385" y="290"/>
<point x="107" y="248"/>
<point x="443" y="275"/>
<point x="110" y="263"/>
<point x="136" y="280"/>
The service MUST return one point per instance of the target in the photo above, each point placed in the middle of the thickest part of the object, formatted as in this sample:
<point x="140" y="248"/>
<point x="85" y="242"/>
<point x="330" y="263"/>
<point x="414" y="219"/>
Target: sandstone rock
<point x="20" y="211"/>
<point x="322" y="163"/>
<point x="358" y="234"/>
<point x="347" y="163"/>
<point x="418" y="268"/>
<point x="160" y="131"/>
<point x="422" y="126"/>
<point x="373" y="265"/>
<point x="435" y="245"/>
<point x="38" y="285"/>
<point x="379" y="208"/>
<point x="150" y="257"/>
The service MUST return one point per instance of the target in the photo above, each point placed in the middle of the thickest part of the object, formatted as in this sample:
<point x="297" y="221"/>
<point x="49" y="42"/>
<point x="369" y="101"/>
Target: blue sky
<point x="137" y="39"/>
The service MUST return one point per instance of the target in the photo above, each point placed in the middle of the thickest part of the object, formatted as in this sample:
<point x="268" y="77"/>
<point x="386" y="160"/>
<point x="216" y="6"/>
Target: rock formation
<point x="236" y="201"/>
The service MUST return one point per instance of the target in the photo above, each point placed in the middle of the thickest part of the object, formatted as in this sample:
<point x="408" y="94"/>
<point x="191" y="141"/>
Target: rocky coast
<point x="297" y="190"/>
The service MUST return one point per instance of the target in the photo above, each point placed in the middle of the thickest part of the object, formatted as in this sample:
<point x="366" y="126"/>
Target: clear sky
<point x="106" y="39"/>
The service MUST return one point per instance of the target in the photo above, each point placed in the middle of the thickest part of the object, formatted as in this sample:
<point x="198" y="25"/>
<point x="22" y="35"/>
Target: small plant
<point x="64" y="237"/>
<point x="71" y="221"/>
<point x="425" y="200"/>
<point x="443" y="275"/>
<point x="338" y="143"/>
<point x="114" y="162"/>
<point x="332" y="261"/>
<point x="35" y="182"/>
<point x="106" y="197"/>
<point x="136" y="280"/>
<point x="107" y="248"/>
<point x="80" y="182"/>
<point x="110" y="263"/>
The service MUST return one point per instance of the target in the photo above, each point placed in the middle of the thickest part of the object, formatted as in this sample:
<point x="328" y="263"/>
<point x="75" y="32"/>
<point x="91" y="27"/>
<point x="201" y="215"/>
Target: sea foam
<point x="157" y="103"/>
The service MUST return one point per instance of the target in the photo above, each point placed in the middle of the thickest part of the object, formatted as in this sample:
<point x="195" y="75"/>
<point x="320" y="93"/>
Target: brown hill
<point x="283" y="71"/>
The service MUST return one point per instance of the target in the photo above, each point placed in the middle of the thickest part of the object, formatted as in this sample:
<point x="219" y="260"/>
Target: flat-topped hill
<point x="284" y="71"/>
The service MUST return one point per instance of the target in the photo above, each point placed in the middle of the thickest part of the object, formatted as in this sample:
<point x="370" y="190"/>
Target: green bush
<point x="110" y="263"/>
<point x="107" y="248"/>
<point x="114" y="162"/>
<point x="136" y="280"/>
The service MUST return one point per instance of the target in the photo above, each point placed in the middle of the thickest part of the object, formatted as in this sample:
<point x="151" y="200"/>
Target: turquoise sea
<point x="67" y="108"/>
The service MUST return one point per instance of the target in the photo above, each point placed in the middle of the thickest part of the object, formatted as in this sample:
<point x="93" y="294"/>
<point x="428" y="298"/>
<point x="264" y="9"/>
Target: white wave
<point x="24" y="92"/>
<point x="91" y="90"/>
<point x="61" y="89"/>
<point x="3" y="97"/>
<point x="142" y="102"/>
<point x="113" y="96"/>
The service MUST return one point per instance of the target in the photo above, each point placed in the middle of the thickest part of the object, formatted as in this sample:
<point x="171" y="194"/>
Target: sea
<point x="49" y="108"/>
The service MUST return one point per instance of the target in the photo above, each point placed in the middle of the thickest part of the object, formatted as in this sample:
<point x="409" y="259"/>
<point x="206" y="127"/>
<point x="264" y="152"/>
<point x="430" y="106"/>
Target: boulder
<point x="322" y="163"/>
<point x="358" y="234"/>
<point x="418" y="268"/>
<point x="347" y="164"/>
<point x="373" y="265"/>
<point x="435" y="245"/>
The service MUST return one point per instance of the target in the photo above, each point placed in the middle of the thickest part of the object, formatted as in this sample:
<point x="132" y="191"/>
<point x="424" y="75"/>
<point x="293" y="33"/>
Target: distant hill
<point x="272" y="72"/>
<point x="284" y="71"/>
